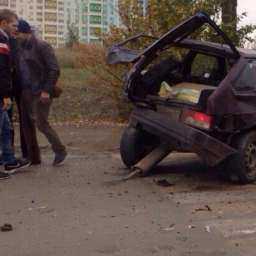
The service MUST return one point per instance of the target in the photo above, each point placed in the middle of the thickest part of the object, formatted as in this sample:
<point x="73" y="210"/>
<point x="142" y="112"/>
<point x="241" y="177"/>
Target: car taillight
<point x="197" y="119"/>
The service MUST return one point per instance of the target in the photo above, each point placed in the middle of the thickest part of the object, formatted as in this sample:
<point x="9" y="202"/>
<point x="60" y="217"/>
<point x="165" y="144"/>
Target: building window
<point x="95" y="7"/>
<point x="95" y="19"/>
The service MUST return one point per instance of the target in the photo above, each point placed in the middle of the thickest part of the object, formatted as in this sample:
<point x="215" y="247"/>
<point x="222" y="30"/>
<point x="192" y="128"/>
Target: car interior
<point x="195" y="67"/>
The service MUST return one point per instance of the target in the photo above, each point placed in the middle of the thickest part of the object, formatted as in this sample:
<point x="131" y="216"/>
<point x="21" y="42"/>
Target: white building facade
<point x="52" y="18"/>
<point x="90" y="18"/>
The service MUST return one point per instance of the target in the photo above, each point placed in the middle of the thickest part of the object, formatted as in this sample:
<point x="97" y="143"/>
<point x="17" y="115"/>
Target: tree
<point x="229" y="13"/>
<point x="230" y="23"/>
<point x="161" y="15"/>
<point x="72" y="36"/>
<point x="230" y="18"/>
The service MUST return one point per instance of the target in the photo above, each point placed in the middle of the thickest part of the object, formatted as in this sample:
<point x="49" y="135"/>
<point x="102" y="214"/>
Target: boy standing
<point x="8" y="26"/>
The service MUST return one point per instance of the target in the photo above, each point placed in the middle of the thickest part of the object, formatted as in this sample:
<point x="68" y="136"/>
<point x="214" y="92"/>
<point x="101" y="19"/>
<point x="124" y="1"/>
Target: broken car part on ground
<point x="202" y="100"/>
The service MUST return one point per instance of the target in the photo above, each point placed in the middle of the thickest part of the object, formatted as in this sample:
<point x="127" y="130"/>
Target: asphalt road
<point x="82" y="208"/>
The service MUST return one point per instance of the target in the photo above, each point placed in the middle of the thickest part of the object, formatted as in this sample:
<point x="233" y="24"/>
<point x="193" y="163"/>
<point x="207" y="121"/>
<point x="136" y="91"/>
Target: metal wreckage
<point x="204" y="102"/>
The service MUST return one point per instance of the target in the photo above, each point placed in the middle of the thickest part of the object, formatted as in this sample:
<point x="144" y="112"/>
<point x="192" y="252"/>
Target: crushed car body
<point x="204" y="102"/>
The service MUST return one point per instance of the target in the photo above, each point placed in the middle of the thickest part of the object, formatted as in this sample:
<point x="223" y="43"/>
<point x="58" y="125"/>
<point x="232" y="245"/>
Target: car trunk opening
<point x="179" y="36"/>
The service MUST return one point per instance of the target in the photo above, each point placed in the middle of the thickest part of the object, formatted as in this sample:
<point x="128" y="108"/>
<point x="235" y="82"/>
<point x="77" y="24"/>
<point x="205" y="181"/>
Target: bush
<point x="66" y="57"/>
<point x="81" y="101"/>
<point x="108" y="79"/>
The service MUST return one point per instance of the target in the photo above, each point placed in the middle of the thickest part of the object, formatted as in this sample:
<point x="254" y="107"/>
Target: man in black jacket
<point x="8" y="25"/>
<point x="39" y="72"/>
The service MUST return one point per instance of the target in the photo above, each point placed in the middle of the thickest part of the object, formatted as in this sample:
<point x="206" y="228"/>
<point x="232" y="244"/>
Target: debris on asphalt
<point x="208" y="229"/>
<point x="6" y="228"/>
<point x="206" y="208"/>
<point x="164" y="183"/>
<point x="37" y="208"/>
<point x="170" y="228"/>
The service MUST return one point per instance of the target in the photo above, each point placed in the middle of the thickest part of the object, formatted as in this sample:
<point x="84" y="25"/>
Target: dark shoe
<point x="4" y="176"/>
<point x="59" y="159"/>
<point x="19" y="164"/>
<point x="35" y="162"/>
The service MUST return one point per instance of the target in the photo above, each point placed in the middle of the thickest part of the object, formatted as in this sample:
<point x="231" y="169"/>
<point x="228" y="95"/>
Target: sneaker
<point x="4" y="176"/>
<point x="59" y="159"/>
<point x="18" y="165"/>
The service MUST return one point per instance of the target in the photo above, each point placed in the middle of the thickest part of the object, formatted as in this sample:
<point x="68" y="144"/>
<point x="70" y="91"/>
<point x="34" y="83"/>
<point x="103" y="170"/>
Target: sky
<point x="248" y="6"/>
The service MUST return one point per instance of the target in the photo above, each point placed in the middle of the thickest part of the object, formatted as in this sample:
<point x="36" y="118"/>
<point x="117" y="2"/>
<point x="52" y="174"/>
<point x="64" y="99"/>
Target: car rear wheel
<point x="243" y="164"/>
<point x="135" y="145"/>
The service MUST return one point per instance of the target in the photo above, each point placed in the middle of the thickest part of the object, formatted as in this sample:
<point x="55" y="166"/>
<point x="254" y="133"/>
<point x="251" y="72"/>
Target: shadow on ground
<point x="187" y="173"/>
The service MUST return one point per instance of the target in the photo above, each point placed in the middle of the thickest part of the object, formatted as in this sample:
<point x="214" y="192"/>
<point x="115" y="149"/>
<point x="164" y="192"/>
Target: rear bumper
<point x="210" y="149"/>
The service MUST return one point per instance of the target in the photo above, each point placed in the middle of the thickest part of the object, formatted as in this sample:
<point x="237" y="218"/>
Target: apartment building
<point x="52" y="18"/>
<point x="90" y="18"/>
<point x="46" y="16"/>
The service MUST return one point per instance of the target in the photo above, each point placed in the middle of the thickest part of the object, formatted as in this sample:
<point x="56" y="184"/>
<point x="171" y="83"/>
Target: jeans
<point x="6" y="138"/>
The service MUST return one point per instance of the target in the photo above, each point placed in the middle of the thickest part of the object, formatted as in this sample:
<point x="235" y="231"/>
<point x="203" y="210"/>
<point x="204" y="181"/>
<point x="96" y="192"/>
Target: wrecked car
<point x="204" y="102"/>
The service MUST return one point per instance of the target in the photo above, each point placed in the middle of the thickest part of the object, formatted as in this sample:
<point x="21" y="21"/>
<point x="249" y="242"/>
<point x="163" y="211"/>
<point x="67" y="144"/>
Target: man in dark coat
<point x="8" y="25"/>
<point x="39" y="72"/>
